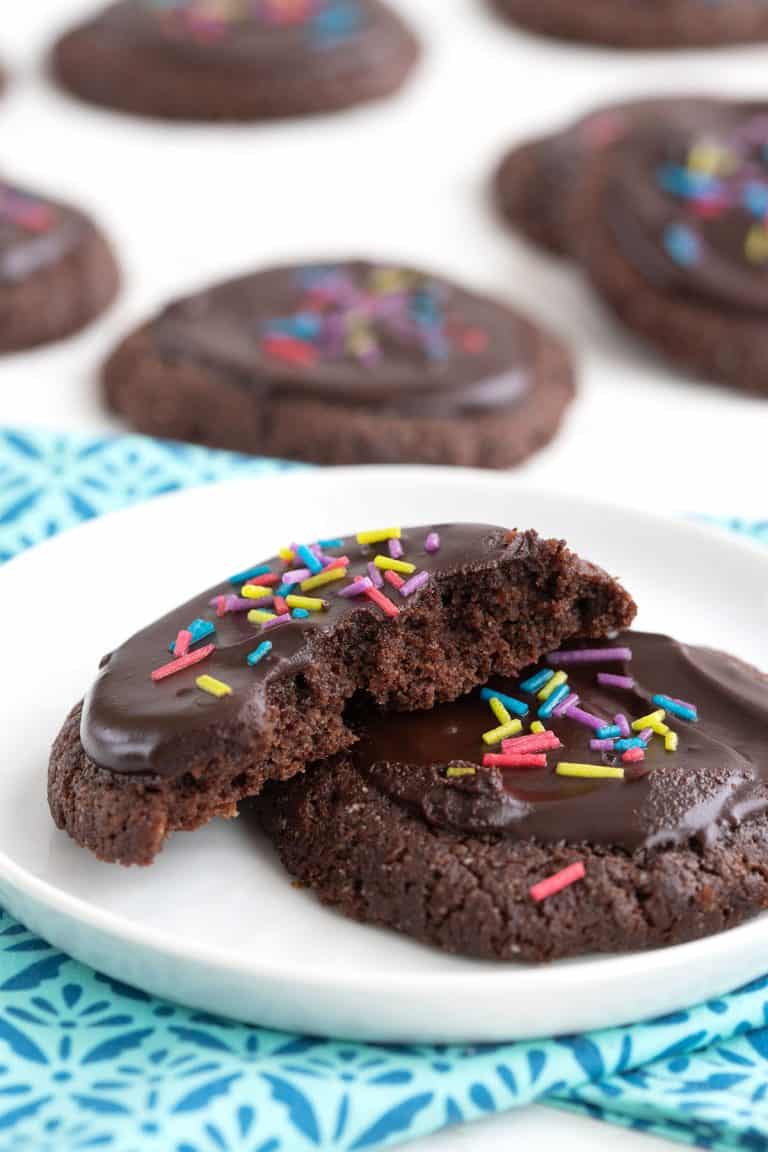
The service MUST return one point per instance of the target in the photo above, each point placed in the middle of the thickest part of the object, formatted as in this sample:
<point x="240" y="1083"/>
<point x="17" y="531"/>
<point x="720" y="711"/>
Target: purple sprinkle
<point x="569" y="702"/>
<point x="432" y="542"/>
<point x="622" y="724"/>
<point x="601" y="745"/>
<point x="415" y="582"/>
<point x="376" y="578"/>
<point x="277" y="620"/>
<point x="589" y="655"/>
<point x="239" y="604"/>
<point x="612" y="681"/>
<point x="395" y="549"/>
<point x="585" y="718"/>
<point x="646" y="734"/>
<point x="356" y="588"/>
<point x="296" y="575"/>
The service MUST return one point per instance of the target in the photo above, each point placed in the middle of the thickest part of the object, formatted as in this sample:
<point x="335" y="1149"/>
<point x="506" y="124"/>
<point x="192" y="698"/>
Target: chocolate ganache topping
<point x="432" y="761"/>
<point x="358" y="334"/>
<point x="33" y="232"/>
<point x="686" y="196"/>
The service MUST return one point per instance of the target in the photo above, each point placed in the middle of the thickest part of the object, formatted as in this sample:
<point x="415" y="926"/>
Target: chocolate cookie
<point x="648" y="833"/>
<point x="345" y="364"/>
<point x="57" y="270"/>
<point x="236" y="59"/>
<point x="677" y="243"/>
<point x="648" y="24"/>
<point x="252" y="679"/>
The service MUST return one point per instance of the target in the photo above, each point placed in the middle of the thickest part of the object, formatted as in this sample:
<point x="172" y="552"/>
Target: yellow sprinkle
<point x="259" y="616"/>
<point x="378" y="535"/>
<point x="286" y="554"/>
<point x="659" y="728"/>
<point x="499" y="711"/>
<point x="551" y="684"/>
<point x="649" y="721"/>
<point x="537" y="727"/>
<point x="323" y="578"/>
<point x="311" y="603"/>
<point x="454" y="771"/>
<point x="254" y="592"/>
<point x="213" y="686"/>
<point x="670" y="741"/>
<point x="709" y="157"/>
<point x="388" y="280"/>
<point x="496" y="735"/>
<point x="590" y="771"/>
<point x="756" y="244"/>
<point x="388" y="565"/>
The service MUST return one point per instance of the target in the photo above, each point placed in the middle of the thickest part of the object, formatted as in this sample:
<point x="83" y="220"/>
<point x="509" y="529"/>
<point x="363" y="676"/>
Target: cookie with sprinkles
<point x="254" y="678"/>
<point x="236" y="59"/>
<point x="645" y="24"/>
<point x="345" y="363"/>
<point x="57" y="269"/>
<point x="612" y="797"/>
<point x="677" y="242"/>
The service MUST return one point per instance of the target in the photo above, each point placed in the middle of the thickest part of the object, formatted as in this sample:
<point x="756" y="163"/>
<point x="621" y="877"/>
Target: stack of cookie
<point x="445" y="730"/>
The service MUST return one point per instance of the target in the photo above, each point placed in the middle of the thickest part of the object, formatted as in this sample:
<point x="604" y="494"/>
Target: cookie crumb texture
<point x="649" y="24"/>
<point x="345" y="364"/>
<point x="145" y="759"/>
<point x="238" y="60"/>
<point x="57" y="270"/>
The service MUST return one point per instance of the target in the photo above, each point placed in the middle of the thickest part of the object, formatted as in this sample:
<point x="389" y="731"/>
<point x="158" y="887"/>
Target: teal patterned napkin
<point x="89" y="1063"/>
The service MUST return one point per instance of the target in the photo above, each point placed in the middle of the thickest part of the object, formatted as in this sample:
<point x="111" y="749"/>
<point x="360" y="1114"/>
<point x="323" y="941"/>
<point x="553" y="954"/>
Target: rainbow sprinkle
<point x="552" y="684"/>
<point x="496" y="735"/>
<point x="538" y="680"/>
<point x="183" y="662"/>
<point x="379" y="536"/>
<point x="590" y="655"/>
<point x="259" y="653"/>
<point x="323" y="578"/>
<point x="432" y="542"/>
<point x="387" y="564"/>
<point x="515" y="706"/>
<point x="556" y="883"/>
<point x="414" y="584"/>
<point x="676" y="708"/>
<point x="589" y="771"/>
<point x="213" y="686"/>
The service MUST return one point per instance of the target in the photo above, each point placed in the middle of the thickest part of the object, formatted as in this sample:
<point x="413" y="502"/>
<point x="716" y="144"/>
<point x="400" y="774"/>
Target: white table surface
<point x="405" y="180"/>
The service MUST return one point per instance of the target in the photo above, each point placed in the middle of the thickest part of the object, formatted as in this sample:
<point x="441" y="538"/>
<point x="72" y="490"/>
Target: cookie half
<point x="57" y="269"/>
<point x="412" y="830"/>
<point x="235" y="59"/>
<point x="347" y="363"/>
<point x="252" y="679"/>
<point x="628" y="24"/>
<point x="677" y="243"/>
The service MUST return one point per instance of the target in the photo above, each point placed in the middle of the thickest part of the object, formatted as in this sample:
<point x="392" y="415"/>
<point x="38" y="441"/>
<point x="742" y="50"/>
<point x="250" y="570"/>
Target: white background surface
<point x="404" y="180"/>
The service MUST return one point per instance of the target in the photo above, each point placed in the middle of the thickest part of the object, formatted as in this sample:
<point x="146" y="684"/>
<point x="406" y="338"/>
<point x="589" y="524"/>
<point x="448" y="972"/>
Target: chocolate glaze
<point x="131" y="724"/>
<point x="640" y="209"/>
<point x="224" y="329"/>
<point x="719" y="775"/>
<point x="25" y="248"/>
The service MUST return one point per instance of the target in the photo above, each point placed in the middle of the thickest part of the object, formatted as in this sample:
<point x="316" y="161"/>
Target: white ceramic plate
<point x="215" y="922"/>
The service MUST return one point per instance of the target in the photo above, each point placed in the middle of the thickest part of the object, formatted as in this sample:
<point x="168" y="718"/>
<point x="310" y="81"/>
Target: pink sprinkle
<point x="183" y="662"/>
<point x="646" y="734"/>
<point x="356" y="588"/>
<point x="220" y="604"/>
<point x="622" y="724"/>
<point x="386" y="605"/>
<point x="536" y="742"/>
<point x="296" y="575"/>
<point x="601" y="745"/>
<point x="633" y="756"/>
<point x="183" y="641"/>
<point x="589" y="655"/>
<point x="376" y="577"/>
<point x="569" y="702"/>
<point x="611" y="681"/>
<point x="521" y="760"/>
<point x="557" y="882"/>
<point x="395" y="549"/>
<point x="432" y="542"/>
<point x="339" y="562"/>
<point x="393" y="579"/>
<point x="585" y="718"/>
<point x="414" y="584"/>
<point x="286" y="616"/>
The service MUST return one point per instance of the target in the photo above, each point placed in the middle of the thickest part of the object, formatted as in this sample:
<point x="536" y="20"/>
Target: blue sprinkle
<point x="608" y="732"/>
<point x="682" y="245"/>
<point x="299" y="614"/>
<point x="755" y="198"/>
<point x="250" y="574"/>
<point x="676" y="709"/>
<point x="310" y="560"/>
<point x="337" y="543"/>
<point x="303" y="326"/>
<point x="538" y="680"/>
<point x="336" y="22"/>
<point x="284" y="590"/>
<point x="688" y="185"/>
<point x="199" y="629"/>
<point x="259" y="653"/>
<point x="552" y="702"/>
<point x="517" y="707"/>
<point x="633" y="742"/>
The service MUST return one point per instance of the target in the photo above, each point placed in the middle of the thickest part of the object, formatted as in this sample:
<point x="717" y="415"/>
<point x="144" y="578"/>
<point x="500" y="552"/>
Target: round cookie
<point x="676" y="242"/>
<point x="57" y="270"/>
<point x="647" y="24"/>
<point x="345" y="364"/>
<point x="409" y="828"/>
<point x="236" y="59"/>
